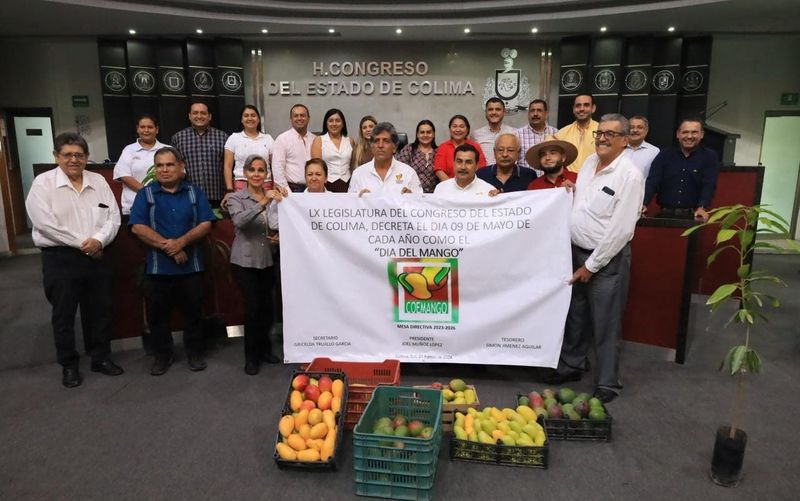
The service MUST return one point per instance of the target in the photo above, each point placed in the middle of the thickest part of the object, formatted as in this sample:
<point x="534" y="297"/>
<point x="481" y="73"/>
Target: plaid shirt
<point x="203" y="156"/>
<point x="529" y="138"/>
<point x="421" y="164"/>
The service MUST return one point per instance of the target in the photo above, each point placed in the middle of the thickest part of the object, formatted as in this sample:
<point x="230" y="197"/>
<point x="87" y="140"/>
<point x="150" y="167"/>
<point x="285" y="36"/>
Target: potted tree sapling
<point x="737" y="227"/>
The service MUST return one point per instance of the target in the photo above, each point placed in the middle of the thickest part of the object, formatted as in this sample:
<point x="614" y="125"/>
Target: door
<point x="34" y="142"/>
<point x="780" y="156"/>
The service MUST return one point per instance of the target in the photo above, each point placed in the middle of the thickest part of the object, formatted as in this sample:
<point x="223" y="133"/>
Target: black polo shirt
<point x="520" y="178"/>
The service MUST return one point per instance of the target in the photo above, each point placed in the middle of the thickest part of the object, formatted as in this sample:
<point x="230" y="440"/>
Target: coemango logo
<point x="425" y="289"/>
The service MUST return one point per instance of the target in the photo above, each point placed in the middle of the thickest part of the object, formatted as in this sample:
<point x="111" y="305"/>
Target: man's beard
<point x="548" y="171"/>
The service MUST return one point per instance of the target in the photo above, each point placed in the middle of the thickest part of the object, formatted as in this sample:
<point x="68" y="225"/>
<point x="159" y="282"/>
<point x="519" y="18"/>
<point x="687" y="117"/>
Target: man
<point x="171" y="217"/>
<point x="684" y="176"/>
<point x="550" y="157"/>
<point x="465" y="182"/>
<point x="536" y="131"/>
<point x="506" y="175"/>
<point x="640" y="152"/>
<point x="487" y="135"/>
<point x="580" y="132"/>
<point x="384" y="174"/>
<point x="203" y="147"/>
<point x="291" y="151"/>
<point x="75" y="216"/>
<point x="603" y="220"/>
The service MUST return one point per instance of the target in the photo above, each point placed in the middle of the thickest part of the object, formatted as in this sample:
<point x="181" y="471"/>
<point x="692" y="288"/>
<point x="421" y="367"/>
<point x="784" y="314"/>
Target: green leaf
<point x="732" y="319"/>
<point x="737" y="359"/>
<point x="717" y="252"/>
<point x="767" y="245"/>
<point x="731" y="219"/>
<point x="743" y="271"/>
<point x="718" y="213"/>
<point x="742" y="316"/>
<point x="758" y="300"/>
<point x="746" y="238"/>
<point x="753" y="361"/>
<point x="774" y="214"/>
<point x="726" y="361"/>
<point x="691" y="230"/>
<point x="774" y="225"/>
<point x="725" y="235"/>
<point x="793" y="245"/>
<point x="722" y="293"/>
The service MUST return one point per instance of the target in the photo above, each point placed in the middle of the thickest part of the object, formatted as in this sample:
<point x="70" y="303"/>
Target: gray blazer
<point x="251" y="249"/>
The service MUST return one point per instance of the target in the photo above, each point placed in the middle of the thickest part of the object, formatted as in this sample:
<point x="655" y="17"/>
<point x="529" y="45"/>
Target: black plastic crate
<point x="586" y="430"/>
<point x="509" y="455"/>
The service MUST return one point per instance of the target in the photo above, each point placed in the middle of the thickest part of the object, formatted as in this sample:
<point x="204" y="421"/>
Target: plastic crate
<point x="449" y="409"/>
<point x="509" y="455"/>
<point x="364" y="377"/>
<point x="397" y="467"/>
<point x="330" y="464"/>
<point x="586" y="430"/>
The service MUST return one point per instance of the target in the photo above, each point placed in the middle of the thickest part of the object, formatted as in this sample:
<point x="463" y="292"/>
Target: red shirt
<point x="445" y="156"/>
<point x="542" y="183"/>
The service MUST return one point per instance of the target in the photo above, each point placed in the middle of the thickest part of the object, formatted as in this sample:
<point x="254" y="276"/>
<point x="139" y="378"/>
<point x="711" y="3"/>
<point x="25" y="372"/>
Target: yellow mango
<point x="539" y="439"/>
<point x="509" y="413"/>
<point x="415" y="284"/>
<point x="329" y="419"/>
<point x="515" y="426"/>
<point x="469" y="421"/>
<point x="308" y="455"/>
<point x="301" y="419"/>
<point x="505" y="426"/>
<point x="296" y="442"/>
<point x="485" y="438"/>
<point x="314" y="416"/>
<point x="460" y="433"/>
<point x="319" y="430"/>
<point x="312" y="444"/>
<point x="328" y="445"/>
<point x="295" y="400"/>
<point x="336" y="403"/>
<point x="337" y="389"/>
<point x="525" y="440"/>
<point x="473" y="437"/>
<point x="435" y="276"/>
<point x="286" y="452"/>
<point x="472" y="411"/>
<point x="305" y="431"/>
<point x="496" y="434"/>
<point x="526" y="412"/>
<point x="498" y="415"/>
<point x="469" y="396"/>
<point x="286" y="425"/>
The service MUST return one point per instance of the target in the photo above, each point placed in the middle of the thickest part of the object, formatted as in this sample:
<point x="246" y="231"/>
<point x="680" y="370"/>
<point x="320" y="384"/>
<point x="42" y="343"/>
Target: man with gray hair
<point x="384" y="174"/>
<point x="640" y="152"/>
<point x="604" y="215"/>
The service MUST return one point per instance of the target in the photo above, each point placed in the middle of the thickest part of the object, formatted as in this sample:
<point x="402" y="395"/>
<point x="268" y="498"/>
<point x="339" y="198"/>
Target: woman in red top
<point x="443" y="161"/>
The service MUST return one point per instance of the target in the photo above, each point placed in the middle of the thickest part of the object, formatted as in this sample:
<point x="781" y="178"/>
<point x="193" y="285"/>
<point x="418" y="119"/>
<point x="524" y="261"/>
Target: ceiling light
<point x="264" y="30"/>
<point x="131" y="32"/>
<point x="603" y="29"/>
<point x="399" y="31"/>
<point x="199" y="31"/>
<point x="671" y="29"/>
<point x="534" y="30"/>
<point x="331" y="30"/>
<point x="467" y="30"/>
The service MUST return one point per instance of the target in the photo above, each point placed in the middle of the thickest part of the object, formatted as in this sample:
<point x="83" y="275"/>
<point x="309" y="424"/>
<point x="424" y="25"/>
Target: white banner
<point x="421" y="278"/>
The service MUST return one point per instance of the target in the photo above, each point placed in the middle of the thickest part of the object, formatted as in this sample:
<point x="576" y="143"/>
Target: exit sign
<point x="790" y="98"/>
<point x="80" y="101"/>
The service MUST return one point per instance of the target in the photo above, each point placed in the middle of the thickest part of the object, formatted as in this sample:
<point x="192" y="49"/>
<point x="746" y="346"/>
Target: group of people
<point x="169" y="192"/>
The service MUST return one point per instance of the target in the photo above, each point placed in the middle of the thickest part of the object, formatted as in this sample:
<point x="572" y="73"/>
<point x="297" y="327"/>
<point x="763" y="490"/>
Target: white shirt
<point x="135" y="161"/>
<point x="604" y="221"/>
<point x="450" y="188"/>
<point x="338" y="159"/>
<point x="642" y="156"/>
<point x="63" y="216"/>
<point x="289" y="155"/>
<point x="242" y="146"/>
<point x="399" y="176"/>
<point x="486" y="138"/>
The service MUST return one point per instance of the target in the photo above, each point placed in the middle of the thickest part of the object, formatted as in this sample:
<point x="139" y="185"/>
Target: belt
<point x="61" y="249"/>
<point x="676" y="211"/>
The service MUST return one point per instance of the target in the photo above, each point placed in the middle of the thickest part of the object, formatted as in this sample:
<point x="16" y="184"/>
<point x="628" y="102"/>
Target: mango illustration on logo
<point x="425" y="289"/>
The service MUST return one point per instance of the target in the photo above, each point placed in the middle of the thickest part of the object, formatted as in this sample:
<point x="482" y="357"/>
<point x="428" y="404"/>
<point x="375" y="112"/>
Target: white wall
<point x="46" y="73"/>
<point x="751" y="72"/>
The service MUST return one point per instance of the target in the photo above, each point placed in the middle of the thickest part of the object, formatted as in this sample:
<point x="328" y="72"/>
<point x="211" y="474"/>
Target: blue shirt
<point x="171" y="215"/>
<point x="520" y="178"/>
<point x="683" y="182"/>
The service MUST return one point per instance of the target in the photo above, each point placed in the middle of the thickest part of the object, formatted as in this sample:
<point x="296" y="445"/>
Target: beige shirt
<point x="289" y="155"/>
<point x="64" y="216"/>
<point x="582" y="139"/>
<point x="606" y="208"/>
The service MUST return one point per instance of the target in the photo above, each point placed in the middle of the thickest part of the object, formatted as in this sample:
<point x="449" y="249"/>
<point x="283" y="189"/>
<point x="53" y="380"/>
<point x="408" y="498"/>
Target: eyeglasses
<point x="608" y="134"/>
<point x="75" y="156"/>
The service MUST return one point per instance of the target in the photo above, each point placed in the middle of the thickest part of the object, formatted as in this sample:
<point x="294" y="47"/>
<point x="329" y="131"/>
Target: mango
<point x="497" y="434"/>
<point x="498" y="415"/>
<point x="460" y="433"/>
<point x="530" y="430"/>
<point x="505" y="426"/>
<point x="597" y="414"/>
<point x="508" y="440"/>
<point x="448" y="395"/>
<point x="566" y="395"/>
<point x="469" y="396"/>
<point x="539" y="440"/>
<point x="458" y="385"/>
<point x="329" y="419"/>
<point x="305" y="431"/>
<point x="473" y="437"/>
<point x="509" y="413"/>
<point x="336" y="404"/>
<point x="415" y="284"/>
<point x="300" y="419"/>
<point x="319" y="430"/>
<point x="459" y="401"/>
<point x="337" y="388"/>
<point x="526" y="412"/>
<point x="487" y="425"/>
<point x="472" y="411"/>
<point x="313" y="443"/>
<point x="435" y="276"/>
<point x="469" y="423"/>
<point x="296" y="442"/>
<point x="314" y="417"/>
<point x="525" y="440"/>
<point x="513" y="434"/>
<point x="325" y="400"/>
<point x="515" y="426"/>
<point x="308" y="455"/>
<point x="295" y="400"/>
<point x="286" y="425"/>
<point x="286" y="452"/>
<point x="401" y="431"/>
<point x="328" y="446"/>
<point x="485" y="438"/>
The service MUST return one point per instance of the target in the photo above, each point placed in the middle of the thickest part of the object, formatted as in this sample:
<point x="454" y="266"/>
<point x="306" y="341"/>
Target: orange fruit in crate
<point x="337" y="388"/>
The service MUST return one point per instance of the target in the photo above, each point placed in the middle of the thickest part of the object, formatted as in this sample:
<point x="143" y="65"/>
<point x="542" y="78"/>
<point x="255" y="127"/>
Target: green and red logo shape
<point x="425" y="289"/>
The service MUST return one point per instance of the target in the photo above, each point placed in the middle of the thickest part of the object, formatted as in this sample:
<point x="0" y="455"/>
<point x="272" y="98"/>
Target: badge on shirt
<point x="398" y="178"/>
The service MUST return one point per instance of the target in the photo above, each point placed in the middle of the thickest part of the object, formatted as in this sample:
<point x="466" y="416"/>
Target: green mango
<point x="460" y="433"/>
<point x="401" y="431"/>
<point x="508" y="440"/>
<point x="472" y="436"/>
<point x="485" y="438"/>
<point x="488" y="426"/>
<point x="525" y="441"/>
<point x="470" y="396"/>
<point x="516" y="426"/>
<point x="597" y="414"/>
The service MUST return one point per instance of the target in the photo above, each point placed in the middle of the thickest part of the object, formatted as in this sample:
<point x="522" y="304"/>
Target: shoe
<point x="71" y="377"/>
<point x="558" y="378"/>
<point x="160" y="366"/>
<point x="107" y="367"/>
<point x="605" y="395"/>
<point x="197" y="363"/>
<point x="251" y="367"/>
<point x="271" y="359"/>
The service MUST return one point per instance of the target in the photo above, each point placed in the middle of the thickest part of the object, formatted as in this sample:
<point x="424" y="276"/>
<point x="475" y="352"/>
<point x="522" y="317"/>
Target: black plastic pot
<point x="726" y="464"/>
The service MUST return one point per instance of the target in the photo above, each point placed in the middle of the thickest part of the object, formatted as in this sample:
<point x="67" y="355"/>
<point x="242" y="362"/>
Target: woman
<point x="316" y="175"/>
<point x="240" y="145"/>
<point x="363" y="153"/>
<point x="419" y="155"/>
<point x="135" y="166"/>
<point x="251" y="257"/>
<point x="443" y="161"/>
<point x="336" y="149"/>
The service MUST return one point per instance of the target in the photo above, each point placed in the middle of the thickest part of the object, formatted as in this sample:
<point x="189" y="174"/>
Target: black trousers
<point x="164" y="293"/>
<point x="256" y="286"/>
<point x="73" y="279"/>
